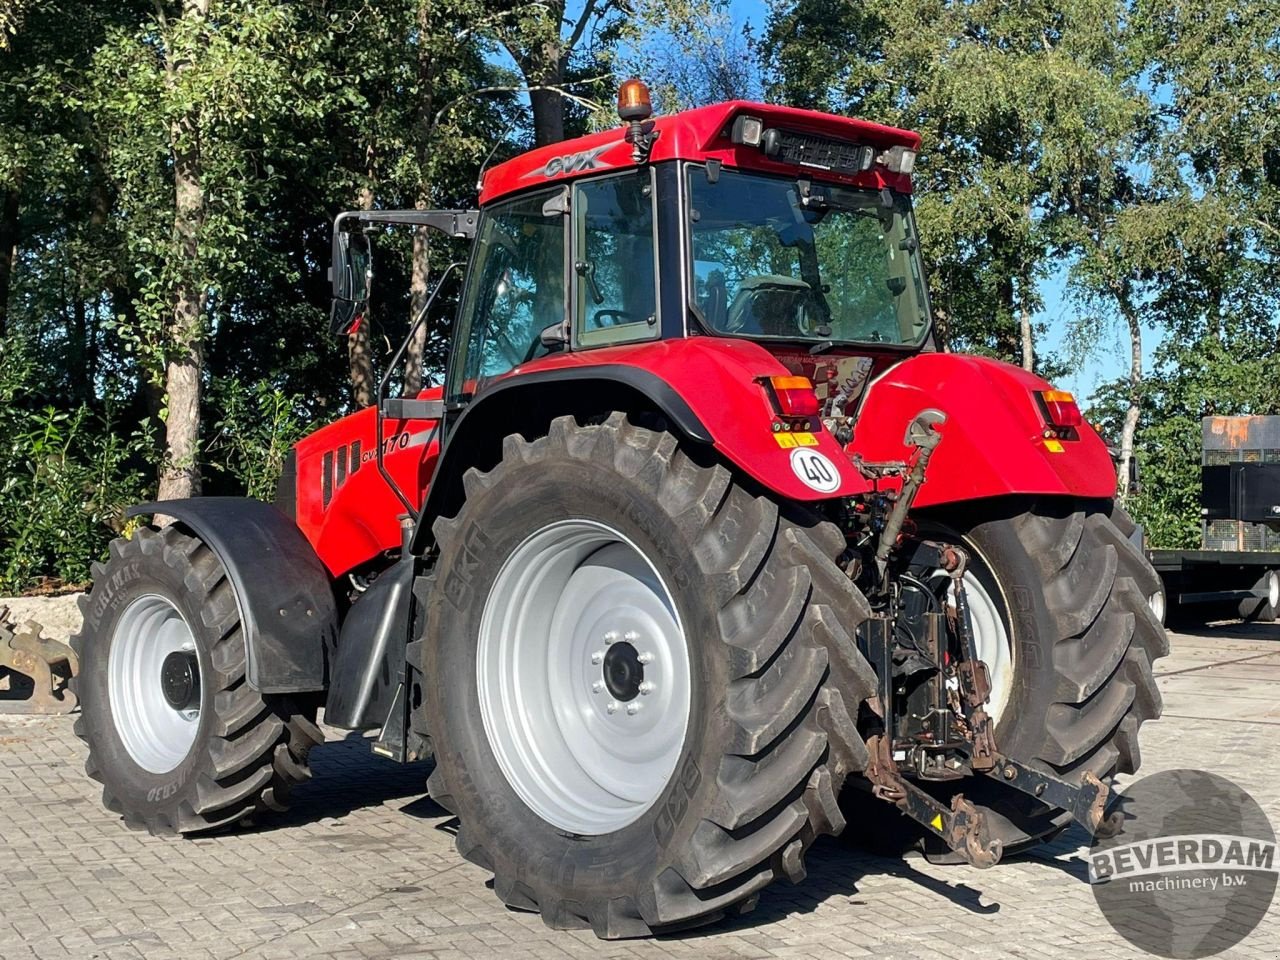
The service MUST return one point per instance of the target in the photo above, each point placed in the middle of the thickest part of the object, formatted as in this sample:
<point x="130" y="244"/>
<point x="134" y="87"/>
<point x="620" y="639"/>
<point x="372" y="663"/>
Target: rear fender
<point x="284" y="595"/>
<point x="993" y="441"/>
<point x="707" y="389"/>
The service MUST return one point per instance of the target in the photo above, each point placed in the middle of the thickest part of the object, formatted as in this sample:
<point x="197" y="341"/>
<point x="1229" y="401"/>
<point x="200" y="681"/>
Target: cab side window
<point x="616" y="298"/>
<point x="515" y="292"/>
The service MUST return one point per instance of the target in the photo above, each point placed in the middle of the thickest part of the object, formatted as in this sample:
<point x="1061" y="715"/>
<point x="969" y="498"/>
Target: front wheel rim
<point x="153" y="684"/>
<point x="583" y="677"/>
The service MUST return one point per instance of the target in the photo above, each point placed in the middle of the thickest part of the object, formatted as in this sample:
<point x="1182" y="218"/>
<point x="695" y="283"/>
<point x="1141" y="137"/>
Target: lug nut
<point x="597" y="657"/>
<point x="611" y="707"/>
<point x="631" y="636"/>
<point x="611" y="636"/>
<point x="647" y="688"/>
<point x="597" y="686"/>
<point x="633" y="709"/>
<point x="645" y="658"/>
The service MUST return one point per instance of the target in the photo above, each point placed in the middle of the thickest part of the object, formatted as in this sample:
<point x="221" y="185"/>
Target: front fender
<point x="993" y="441"/>
<point x="285" y="600"/>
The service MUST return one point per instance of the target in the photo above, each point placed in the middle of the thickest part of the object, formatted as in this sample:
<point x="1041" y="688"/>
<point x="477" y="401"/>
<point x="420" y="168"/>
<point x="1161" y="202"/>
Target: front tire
<point x="179" y="740"/>
<point x="759" y="650"/>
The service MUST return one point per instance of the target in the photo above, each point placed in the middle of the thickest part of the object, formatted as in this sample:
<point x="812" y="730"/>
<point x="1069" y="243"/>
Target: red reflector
<point x="1060" y="407"/>
<point x="794" y="396"/>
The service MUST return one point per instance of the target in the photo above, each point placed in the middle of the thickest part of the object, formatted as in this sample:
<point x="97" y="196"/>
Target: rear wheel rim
<point x="150" y="639"/>
<point x="990" y="636"/>
<point x="583" y="677"/>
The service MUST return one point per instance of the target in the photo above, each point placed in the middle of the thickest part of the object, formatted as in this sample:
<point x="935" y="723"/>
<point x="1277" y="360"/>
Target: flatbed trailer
<point x="1246" y="581"/>
<point x="1236" y="571"/>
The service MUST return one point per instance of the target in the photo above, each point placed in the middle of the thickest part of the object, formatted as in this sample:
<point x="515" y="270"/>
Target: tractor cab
<point x="788" y="228"/>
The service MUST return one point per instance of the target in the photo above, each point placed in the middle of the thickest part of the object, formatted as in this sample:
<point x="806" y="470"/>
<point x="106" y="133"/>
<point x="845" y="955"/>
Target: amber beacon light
<point x="634" y="104"/>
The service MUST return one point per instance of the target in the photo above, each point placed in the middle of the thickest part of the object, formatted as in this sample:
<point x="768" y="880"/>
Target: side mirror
<point x="351" y="273"/>
<point x="554" y="336"/>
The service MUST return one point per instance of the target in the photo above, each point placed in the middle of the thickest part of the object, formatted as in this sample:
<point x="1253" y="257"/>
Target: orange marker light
<point x="794" y="396"/>
<point x="634" y="104"/>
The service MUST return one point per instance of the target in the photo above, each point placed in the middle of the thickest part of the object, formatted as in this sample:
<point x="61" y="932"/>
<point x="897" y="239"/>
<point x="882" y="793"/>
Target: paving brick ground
<point x="364" y="866"/>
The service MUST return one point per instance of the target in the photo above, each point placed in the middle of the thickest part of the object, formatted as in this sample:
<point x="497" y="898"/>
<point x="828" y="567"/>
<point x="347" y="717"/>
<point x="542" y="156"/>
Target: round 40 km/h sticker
<point x="814" y="470"/>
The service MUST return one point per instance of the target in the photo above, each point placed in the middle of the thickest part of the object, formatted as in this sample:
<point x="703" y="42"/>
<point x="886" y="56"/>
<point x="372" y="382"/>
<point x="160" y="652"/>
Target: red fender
<point x="993" y="441"/>
<point x="719" y="381"/>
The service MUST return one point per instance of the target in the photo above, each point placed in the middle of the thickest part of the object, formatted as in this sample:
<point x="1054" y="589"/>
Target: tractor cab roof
<point x="807" y="143"/>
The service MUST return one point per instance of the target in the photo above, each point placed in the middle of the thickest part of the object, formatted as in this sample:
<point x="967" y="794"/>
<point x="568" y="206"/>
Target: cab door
<point x="515" y="291"/>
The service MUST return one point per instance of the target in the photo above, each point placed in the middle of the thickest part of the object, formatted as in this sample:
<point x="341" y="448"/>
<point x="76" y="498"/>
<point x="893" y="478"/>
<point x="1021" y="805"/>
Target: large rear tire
<point x="179" y="740"/>
<point x="1069" y="592"/>
<point x="738" y="609"/>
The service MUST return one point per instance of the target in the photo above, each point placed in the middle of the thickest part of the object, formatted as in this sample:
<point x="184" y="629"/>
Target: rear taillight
<point x="793" y="396"/>
<point x="1060" y="410"/>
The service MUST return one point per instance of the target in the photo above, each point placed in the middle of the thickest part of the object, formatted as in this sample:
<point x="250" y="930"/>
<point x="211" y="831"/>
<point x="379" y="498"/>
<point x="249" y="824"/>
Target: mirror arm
<point x="392" y="365"/>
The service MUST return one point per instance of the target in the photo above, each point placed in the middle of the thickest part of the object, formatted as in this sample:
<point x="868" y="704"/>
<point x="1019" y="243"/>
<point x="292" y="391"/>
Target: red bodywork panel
<point x="700" y="135"/>
<point x="719" y="380"/>
<point x="993" y="441"/>
<point x="344" y="507"/>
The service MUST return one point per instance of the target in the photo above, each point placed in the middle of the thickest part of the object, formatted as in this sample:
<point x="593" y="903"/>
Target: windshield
<point x="843" y="266"/>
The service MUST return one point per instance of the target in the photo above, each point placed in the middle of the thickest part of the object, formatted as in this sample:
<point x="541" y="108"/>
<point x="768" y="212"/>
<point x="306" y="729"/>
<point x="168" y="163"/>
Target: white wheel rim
<point x="1156" y="602"/>
<point x="991" y="639"/>
<point x="157" y="735"/>
<point x="586" y="741"/>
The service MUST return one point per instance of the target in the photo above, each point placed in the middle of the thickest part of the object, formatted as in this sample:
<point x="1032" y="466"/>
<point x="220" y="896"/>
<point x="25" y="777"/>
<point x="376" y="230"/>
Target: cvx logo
<point x="573" y="162"/>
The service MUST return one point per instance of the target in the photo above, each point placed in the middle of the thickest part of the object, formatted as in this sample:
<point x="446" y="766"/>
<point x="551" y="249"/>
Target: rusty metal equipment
<point x="35" y="672"/>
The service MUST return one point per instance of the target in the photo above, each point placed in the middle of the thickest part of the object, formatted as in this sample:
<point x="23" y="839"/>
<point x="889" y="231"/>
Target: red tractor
<point x="701" y="550"/>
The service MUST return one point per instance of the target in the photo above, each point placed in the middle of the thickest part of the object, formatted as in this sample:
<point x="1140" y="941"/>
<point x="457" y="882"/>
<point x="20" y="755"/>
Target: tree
<point x="1191" y="244"/>
<point x="710" y="62"/>
<point x="184" y="44"/>
<point x="1022" y="111"/>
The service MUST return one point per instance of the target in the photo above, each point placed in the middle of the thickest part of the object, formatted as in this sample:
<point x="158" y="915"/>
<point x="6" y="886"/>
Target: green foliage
<point x="249" y="444"/>
<point x="1133" y="140"/>
<point x="67" y="477"/>
<point x="1024" y="110"/>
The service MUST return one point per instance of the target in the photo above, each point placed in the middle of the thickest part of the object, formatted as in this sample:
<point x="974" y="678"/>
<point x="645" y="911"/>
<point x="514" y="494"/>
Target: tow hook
<point x="962" y="826"/>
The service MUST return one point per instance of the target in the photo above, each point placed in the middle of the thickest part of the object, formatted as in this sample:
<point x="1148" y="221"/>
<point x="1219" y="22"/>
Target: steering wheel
<point x="616" y="318"/>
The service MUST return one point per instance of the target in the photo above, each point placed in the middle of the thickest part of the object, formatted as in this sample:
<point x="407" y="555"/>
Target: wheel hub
<point x="180" y="679"/>
<point x="153" y="683"/>
<point x="623" y="671"/>
<point x="583" y="677"/>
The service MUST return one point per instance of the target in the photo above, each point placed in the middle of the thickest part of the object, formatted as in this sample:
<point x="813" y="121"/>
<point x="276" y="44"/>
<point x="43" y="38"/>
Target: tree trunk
<point x="420" y="269"/>
<point x="9" y="236"/>
<point x="544" y="67"/>
<point x="1026" y="297"/>
<point x="419" y="279"/>
<point x="359" y="352"/>
<point x="180" y="470"/>
<point x="1028" y="347"/>
<point x="548" y="113"/>
<point x="1130" y="428"/>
